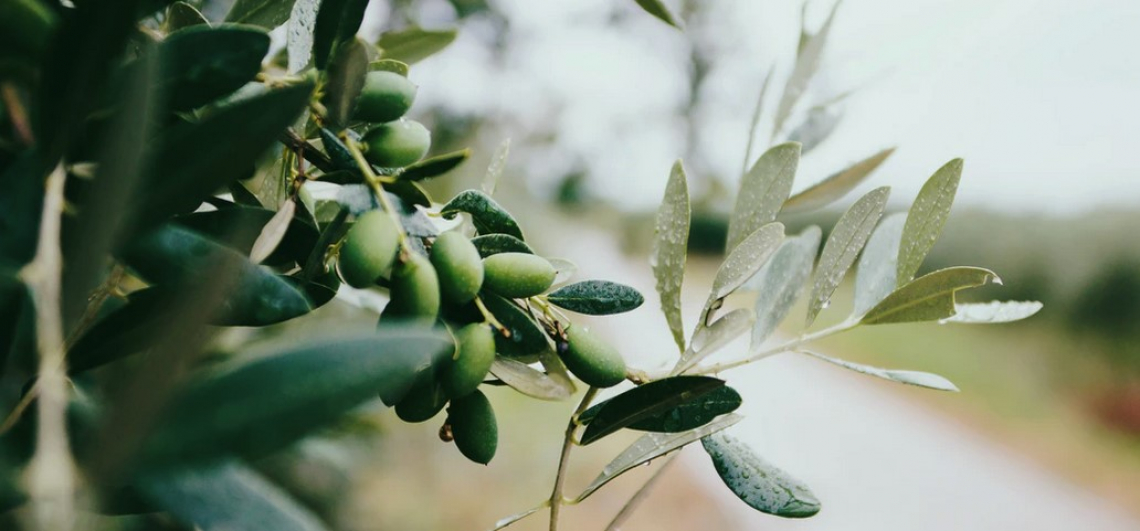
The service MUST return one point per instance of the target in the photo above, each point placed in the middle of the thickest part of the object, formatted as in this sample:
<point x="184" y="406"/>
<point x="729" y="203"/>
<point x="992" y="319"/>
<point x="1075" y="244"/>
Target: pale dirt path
<point x="877" y="462"/>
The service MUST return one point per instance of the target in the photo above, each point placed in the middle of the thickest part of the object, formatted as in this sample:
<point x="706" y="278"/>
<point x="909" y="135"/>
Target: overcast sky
<point x="1039" y="96"/>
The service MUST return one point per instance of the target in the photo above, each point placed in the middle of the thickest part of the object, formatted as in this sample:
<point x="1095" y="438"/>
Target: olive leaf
<point x="336" y="23"/>
<point x="346" y="74"/>
<point x="489" y="244"/>
<point x="659" y="10"/>
<point x="273" y="233"/>
<point x="434" y="166"/>
<point x="203" y="63"/>
<point x="646" y="401"/>
<point x="265" y="13"/>
<point x="762" y="192"/>
<point x="745" y="260"/>
<point x="755" y="122"/>
<point x="670" y="249"/>
<point x="926" y="218"/>
<point x="651" y="446"/>
<point x="596" y="297"/>
<point x="529" y="381"/>
<point x="993" y="312"/>
<point x="929" y="297"/>
<point x="781" y="282"/>
<point x="240" y="227"/>
<point x="258" y="407"/>
<point x="495" y="169"/>
<point x="843" y="245"/>
<point x="820" y="123"/>
<point x="412" y="45"/>
<point x="807" y="63"/>
<point x="878" y="265"/>
<point x="682" y="417"/>
<point x="758" y="483"/>
<point x="836" y="186"/>
<point x="525" y="337"/>
<point x="299" y="34"/>
<point x="488" y="216"/>
<point x="707" y="340"/>
<point x="181" y="15"/>
<point x="916" y="378"/>
<point x="564" y="270"/>
<point x="389" y="65"/>
<point x="228" y="495"/>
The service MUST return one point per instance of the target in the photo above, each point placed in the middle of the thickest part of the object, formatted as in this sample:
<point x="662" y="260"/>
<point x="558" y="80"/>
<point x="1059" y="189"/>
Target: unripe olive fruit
<point x="473" y="426"/>
<point x="397" y="144"/>
<point x="369" y="249"/>
<point x="414" y="290"/>
<point x="591" y="359"/>
<point x="475" y="351"/>
<point x="386" y="96"/>
<point x="517" y="275"/>
<point x="459" y="266"/>
<point x="421" y="403"/>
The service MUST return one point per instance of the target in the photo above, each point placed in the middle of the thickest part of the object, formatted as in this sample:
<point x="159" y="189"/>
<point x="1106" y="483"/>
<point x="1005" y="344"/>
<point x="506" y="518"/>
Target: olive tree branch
<point x="556" y="498"/>
<point x="781" y="348"/>
<point x="51" y="473"/>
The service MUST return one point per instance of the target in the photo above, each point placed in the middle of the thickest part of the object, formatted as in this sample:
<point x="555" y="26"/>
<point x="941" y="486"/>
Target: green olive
<point x="517" y="275"/>
<point x="422" y="402"/>
<point x="473" y="426"/>
<point x="459" y="266"/>
<point x="386" y="96"/>
<point x="369" y="249"/>
<point x="397" y="144"/>
<point x="475" y="351"/>
<point x="591" y="359"/>
<point x="414" y="290"/>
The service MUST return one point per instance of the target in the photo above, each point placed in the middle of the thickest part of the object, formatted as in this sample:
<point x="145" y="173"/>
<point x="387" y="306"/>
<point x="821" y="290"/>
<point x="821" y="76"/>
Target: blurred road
<point x="876" y="462"/>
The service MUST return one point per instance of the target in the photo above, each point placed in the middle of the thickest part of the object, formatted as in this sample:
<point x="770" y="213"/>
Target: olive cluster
<point x="395" y="141"/>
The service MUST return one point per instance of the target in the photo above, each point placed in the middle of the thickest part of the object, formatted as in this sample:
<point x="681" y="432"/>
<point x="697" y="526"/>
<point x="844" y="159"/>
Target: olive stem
<point x="51" y="473"/>
<point x="374" y="181"/>
<point x="779" y="349"/>
<point x="640" y="495"/>
<point x="556" y="499"/>
<point x="490" y="318"/>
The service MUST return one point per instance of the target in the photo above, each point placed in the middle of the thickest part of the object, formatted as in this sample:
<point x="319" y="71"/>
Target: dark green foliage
<point x="489" y="244"/>
<point x="488" y="216"/>
<point x="526" y="336"/>
<point x="649" y="404"/>
<point x="596" y="297"/>
<point x="201" y="64"/>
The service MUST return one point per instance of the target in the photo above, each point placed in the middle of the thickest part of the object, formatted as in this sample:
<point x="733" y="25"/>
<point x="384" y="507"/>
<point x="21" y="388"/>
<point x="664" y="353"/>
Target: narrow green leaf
<point x="820" y="123"/>
<point x="230" y="496"/>
<point x="299" y="34"/>
<point x="745" y="260"/>
<point x="488" y="216"/>
<point x="434" y="166"/>
<point x="264" y="405"/>
<point x="273" y="232"/>
<point x="193" y="160"/>
<point x="265" y="13"/>
<point x="337" y="22"/>
<point x="203" y="63"/>
<point x="875" y="275"/>
<point x="755" y="122"/>
<point x="926" y="218"/>
<point x="596" y="297"/>
<point x="346" y="74"/>
<point x="763" y="191"/>
<point x="176" y="257"/>
<point x="240" y="226"/>
<point x="529" y="381"/>
<point x="658" y="9"/>
<point x="646" y="401"/>
<point x="412" y="45"/>
<point x="758" y="483"/>
<point x="993" y="312"/>
<point x="389" y="65"/>
<point x="504" y="522"/>
<point x="670" y="248"/>
<point x="843" y="245"/>
<point x="916" y="378"/>
<point x="526" y="336"/>
<point x="807" y="63"/>
<point x="683" y="417"/>
<point x="651" y="446"/>
<point x="707" y="340"/>
<point x="836" y="186"/>
<point x="495" y="169"/>
<point x="181" y="15"/>
<point x="489" y="244"/>
<point x="929" y="297"/>
<point x="781" y="282"/>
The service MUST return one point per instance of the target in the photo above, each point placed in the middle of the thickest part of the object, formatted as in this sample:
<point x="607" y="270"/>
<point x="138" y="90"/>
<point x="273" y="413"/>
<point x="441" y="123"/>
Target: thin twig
<point x="95" y="302"/>
<point x="51" y="474"/>
<point x="308" y="151"/>
<point x="784" y="347"/>
<point x="640" y="495"/>
<point x="373" y="182"/>
<point x="564" y="461"/>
